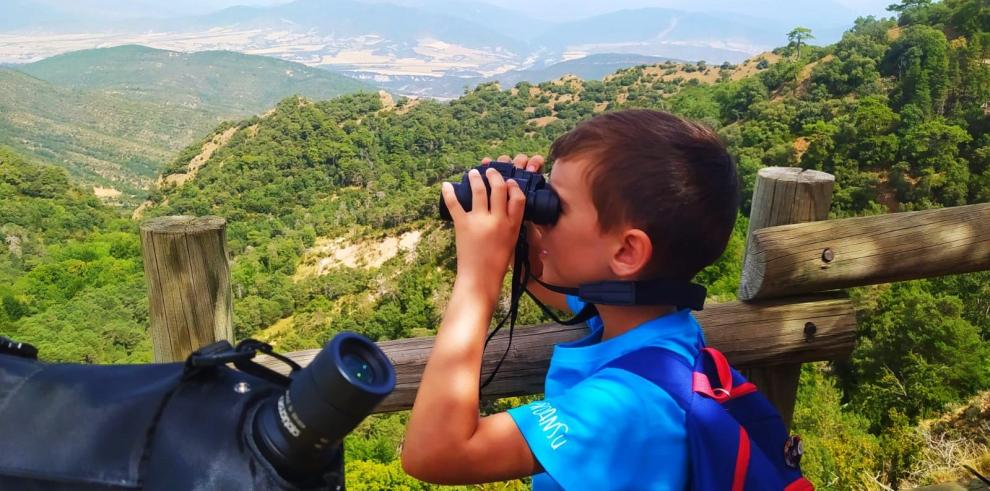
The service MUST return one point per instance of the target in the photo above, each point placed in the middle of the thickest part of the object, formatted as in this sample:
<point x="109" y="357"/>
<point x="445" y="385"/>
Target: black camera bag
<point x="168" y="426"/>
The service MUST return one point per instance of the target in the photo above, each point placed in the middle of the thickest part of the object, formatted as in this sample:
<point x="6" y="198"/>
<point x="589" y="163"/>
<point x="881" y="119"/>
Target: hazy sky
<point x="859" y="7"/>
<point x="828" y="18"/>
<point x="539" y="8"/>
<point x="869" y="7"/>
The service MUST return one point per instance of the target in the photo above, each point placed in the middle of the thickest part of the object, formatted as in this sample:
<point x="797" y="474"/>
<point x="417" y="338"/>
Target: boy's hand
<point x="486" y="235"/>
<point x="532" y="164"/>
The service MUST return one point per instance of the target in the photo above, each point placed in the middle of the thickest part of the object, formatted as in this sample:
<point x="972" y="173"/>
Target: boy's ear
<point x="632" y="253"/>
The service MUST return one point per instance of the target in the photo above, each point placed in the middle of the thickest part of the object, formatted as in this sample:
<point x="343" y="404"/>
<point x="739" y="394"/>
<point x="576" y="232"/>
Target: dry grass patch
<point x="960" y="437"/>
<point x="329" y="253"/>
<point x="709" y="75"/>
<point x="271" y="333"/>
<point x="894" y="33"/>
<point x="386" y="99"/>
<point x="541" y="122"/>
<point x="198" y="161"/>
<point x="410" y="103"/>
<point x="749" y="67"/>
<point x="106" y="193"/>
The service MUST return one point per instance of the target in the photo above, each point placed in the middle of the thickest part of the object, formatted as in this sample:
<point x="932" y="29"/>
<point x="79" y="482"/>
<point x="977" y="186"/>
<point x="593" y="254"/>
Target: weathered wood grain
<point x="186" y="267"/>
<point x="783" y="195"/>
<point x="861" y="251"/>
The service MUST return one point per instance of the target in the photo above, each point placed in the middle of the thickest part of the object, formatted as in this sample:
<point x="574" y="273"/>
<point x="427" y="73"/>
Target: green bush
<point x="840" y="453"/>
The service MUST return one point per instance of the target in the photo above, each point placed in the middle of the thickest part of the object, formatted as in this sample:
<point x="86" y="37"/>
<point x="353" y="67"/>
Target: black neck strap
<point x="682" y="294"/>
<point x="586" y="313"/>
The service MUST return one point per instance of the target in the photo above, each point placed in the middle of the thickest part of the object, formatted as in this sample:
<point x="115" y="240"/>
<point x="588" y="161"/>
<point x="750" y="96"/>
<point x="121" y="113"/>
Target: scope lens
<point x="358" y="367"/>
<point x="298" y="432"/>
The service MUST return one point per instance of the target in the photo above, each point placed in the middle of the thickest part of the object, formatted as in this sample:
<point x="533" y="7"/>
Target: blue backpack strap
<point x="736" y="439"/>
<point x="666" y="369"/>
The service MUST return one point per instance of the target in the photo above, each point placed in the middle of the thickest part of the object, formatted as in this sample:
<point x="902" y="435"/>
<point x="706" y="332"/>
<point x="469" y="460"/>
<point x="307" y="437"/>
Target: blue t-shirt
<point x="610" y="429"/>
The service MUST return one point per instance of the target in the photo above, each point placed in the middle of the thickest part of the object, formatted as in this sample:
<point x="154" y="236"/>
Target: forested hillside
<point x="222" y="82"/>
<point x="332" y="210"/>
<point x="99" y="138"/>
<point x="112" y="117"/>
<point x="71" y="277"/>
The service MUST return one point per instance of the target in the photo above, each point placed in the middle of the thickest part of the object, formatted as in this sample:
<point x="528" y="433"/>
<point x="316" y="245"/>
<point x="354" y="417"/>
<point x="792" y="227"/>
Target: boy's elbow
<point x="416" y="464"/>
<point x="424" y="465"/>
<point x="409" y="464"/>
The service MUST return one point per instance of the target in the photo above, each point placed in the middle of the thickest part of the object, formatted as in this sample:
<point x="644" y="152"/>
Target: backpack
<point x="736" y="439"/>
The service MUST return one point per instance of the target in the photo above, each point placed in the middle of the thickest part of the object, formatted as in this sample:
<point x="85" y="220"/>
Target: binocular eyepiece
<point x="542" y="203"/>
<point x="299" y="431"/>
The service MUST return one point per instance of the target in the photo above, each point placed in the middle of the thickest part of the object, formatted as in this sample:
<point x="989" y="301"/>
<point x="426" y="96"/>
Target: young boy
<point x="644" y="195"/>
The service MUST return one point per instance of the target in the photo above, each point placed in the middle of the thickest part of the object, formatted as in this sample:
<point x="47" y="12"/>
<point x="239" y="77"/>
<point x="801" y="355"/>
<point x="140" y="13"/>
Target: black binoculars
<point x="542" y="203"/>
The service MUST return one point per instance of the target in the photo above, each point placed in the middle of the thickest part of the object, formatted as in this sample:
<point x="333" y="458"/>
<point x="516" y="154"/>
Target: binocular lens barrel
<point x="300" y="431"/>
<point x="542" y="203"/>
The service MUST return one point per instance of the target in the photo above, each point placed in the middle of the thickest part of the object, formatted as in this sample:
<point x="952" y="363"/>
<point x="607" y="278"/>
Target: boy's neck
<point x="621" y="319"/>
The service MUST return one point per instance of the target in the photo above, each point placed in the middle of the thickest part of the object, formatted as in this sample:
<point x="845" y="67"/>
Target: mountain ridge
<point x="417" y="39"/>
<point x="114" y="116"/>
<point x="236" y="83"/>
<point x="70" y="128"/>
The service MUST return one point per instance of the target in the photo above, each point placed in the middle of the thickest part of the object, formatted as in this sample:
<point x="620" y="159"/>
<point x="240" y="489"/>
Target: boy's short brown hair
<point x="671" y="178"/>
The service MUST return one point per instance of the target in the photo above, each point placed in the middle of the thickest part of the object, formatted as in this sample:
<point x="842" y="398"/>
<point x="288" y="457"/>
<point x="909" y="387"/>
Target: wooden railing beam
<point x="850" y="252"/>
<point x="770" y="333"/>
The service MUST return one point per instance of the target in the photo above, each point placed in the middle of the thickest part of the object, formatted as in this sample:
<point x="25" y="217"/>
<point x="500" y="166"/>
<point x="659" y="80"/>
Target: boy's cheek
<point x="535" y="262"/>
<point x="535" y="246"/>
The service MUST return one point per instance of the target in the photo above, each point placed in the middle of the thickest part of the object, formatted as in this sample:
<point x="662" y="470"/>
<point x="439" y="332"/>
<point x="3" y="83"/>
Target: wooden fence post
<point x="782" y="196"/>
<point x="185" y="263"/>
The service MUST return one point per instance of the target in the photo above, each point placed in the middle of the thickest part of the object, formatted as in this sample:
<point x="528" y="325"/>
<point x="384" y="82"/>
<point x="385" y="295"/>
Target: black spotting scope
<point x="196" y="425"/>
<point x="299" y="431"/>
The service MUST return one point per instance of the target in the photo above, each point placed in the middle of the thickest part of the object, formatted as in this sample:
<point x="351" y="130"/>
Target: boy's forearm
<point x="445" y="413"/>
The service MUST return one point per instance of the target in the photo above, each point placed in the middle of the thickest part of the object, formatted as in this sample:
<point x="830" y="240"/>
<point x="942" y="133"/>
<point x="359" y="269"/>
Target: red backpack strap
<point x="725" y="390"/>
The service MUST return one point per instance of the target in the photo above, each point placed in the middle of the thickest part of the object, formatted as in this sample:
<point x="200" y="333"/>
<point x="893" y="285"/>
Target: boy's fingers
<point x="520" y="161"/>
<point x="535" y="163"/>
<point x="498" y="196"/>
<point x="479" y="195"/>
<point x="486" y="161"/>
<point x="517" y="203"/>
<point x="504" y="158"/>
<point x="450" y="199"/>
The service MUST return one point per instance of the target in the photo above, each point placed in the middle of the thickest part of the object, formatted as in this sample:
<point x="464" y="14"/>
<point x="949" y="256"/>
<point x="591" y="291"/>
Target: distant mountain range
<point x="592" y="67"/>
<point x="114" y="116"/>
<point x="221" y="82"/>
<point x="394" y="43"/>
<point x="815" y="13"/>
